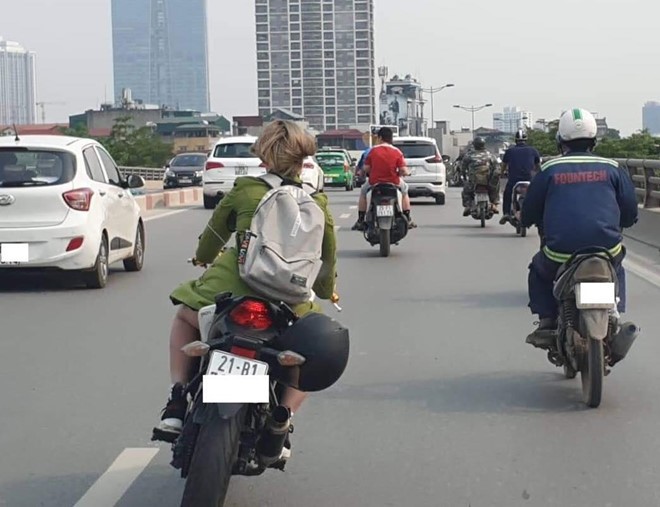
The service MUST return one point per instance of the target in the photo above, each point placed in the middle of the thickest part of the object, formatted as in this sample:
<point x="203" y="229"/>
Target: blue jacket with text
<point x="580" y="200"/>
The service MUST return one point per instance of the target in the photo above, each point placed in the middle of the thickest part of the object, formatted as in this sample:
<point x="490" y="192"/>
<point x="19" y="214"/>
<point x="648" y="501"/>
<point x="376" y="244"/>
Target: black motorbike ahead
<point x="518" y="194"/>
<point x="250" y="336"/>
<point x="384" y="222"/>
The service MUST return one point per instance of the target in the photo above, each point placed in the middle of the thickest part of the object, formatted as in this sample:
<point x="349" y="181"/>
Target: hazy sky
<point x="543" y="56"/>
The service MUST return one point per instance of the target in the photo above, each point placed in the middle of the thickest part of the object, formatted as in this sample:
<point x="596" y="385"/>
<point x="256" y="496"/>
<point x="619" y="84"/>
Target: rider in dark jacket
<point x="579" y="200"/>
<point x="519" y="161"/>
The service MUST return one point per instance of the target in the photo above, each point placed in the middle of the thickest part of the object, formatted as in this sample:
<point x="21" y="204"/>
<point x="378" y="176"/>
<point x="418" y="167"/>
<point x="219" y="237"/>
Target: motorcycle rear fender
<point x="595" y="323"/>
<point x="203" y="412"/>
<point x="385" y="222"/>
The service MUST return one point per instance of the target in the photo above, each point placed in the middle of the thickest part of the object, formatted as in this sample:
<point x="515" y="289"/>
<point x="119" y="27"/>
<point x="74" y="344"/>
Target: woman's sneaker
<point x="171" y="421"/>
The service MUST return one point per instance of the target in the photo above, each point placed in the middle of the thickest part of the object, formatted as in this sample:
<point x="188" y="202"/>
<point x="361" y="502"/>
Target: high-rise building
<point x="316" y="59"/>
<point x="402" y="104"/>
<point x="18" y="84"/>
<point x="160" y="52"/>
<point x="512" y="119"/>
<point x="651" y="118"/>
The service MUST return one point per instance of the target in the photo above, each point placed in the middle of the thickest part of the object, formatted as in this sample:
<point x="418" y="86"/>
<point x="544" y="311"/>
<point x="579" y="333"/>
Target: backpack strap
<point x="272" y="180"/>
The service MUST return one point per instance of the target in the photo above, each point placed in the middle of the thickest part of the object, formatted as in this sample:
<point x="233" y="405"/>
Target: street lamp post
<point x="433" y="91"/>
<point x="472" y="109"/>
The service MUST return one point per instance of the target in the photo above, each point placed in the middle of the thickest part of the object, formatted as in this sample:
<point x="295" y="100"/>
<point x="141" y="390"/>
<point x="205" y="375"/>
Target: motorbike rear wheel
<point x="212" y="462"/>
<point x="592" y="372"/>
<point x="523" y="231"/>
<point x="482" y="217"/>
<point x="384" y="242"/>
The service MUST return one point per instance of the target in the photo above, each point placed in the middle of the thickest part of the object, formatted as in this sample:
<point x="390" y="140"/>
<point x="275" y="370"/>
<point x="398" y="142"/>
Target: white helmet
<point x="576" y="124"/>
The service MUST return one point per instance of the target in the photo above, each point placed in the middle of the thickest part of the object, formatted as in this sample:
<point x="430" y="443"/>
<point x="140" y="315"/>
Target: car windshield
<point x="189" y="161"/>
<point x="416" y="150"/>
<point x="330" y="160"/>
<point x="233" y="150"/>
<point x="25" y="167"/>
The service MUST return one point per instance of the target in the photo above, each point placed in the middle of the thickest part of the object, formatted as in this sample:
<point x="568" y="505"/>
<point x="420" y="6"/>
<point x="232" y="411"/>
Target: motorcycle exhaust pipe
<point x="621" y="342"/>
<point x="271" y="442"/>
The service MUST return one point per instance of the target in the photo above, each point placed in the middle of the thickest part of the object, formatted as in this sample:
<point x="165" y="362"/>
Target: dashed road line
<point x="111" y="486"/>
<point x="640" y="267"/>
<point x="165" y="214"/>
<point x="344" y="215"/>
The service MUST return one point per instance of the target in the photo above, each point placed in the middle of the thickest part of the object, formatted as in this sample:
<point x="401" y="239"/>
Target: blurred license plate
<point x="327" y="179"/>
<point x="14" y="253"/>
<point x="223" y="363"/>
<point x="384" y="211"/>
<point x="184" y="178"/>
<point x="482" y="198"/>
<point x="241" y="171"/>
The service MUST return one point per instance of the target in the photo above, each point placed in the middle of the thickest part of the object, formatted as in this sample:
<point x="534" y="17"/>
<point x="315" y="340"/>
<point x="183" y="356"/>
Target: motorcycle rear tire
<point x="384" y="242"/>
<point x="212" y="462"/>
<point x="523" y="232"/>
<point x="593" y="370"/>
<point x="482" y="216"/>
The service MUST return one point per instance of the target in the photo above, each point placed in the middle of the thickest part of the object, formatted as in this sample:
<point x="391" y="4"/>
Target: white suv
<point x="231" y="158"/>
<point x="427" y="171"/>
<point x="65" y="206"/>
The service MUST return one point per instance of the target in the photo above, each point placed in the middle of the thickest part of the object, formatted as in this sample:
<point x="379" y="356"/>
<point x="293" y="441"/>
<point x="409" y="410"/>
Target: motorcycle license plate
<point x="482" y="198"/>
<point x="223" y="363"/>
<point x="385" y="211"/>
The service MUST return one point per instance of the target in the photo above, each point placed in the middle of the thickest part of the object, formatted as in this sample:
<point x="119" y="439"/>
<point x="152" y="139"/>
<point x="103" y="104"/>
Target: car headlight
<point x="199" y="174"/>
<point x="169" y="173"/>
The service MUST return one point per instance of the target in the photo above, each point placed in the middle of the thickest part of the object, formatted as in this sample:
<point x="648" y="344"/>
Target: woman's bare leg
<point x="185" y="329"/>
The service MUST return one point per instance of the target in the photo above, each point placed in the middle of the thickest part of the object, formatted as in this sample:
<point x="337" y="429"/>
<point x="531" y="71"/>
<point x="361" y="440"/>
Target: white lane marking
<point x="352" y="207"/>
<point x="638" y="266"/>
<point x="337" y="227"/>
<point x="344" y="215"/>
<point x="111" y="486"/>
<point x="166" y="214"/>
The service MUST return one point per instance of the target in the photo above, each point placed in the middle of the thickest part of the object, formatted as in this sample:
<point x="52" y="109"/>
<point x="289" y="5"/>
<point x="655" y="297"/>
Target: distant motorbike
<point x="589" y="336"/>
<point x="456" y="178"/>
<point x="518" y="195"/>
<point x="481" y="209"/>
<point x="249" y="336"/>
<point x="385" y="222"/>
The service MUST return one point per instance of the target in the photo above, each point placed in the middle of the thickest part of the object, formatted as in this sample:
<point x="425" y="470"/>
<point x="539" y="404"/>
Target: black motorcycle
<point x="481" y="209"/>
<point x="589" y="336"/>
<point x="384" y="222"/>
<point x="250" y="336"/>
<point x="518" y="194"/>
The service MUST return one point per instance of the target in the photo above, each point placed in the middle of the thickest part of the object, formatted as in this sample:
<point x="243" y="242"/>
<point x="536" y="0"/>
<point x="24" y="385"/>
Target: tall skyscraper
<point x="18" y="84"/>
<point x="160" y="52"/>
<point x="651" y="118"/>
<point x="512" y="119"/>
<point x="316" y="58"/>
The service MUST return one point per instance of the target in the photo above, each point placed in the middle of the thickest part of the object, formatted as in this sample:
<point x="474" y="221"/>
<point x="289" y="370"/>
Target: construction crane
<point x="42" y="106"/>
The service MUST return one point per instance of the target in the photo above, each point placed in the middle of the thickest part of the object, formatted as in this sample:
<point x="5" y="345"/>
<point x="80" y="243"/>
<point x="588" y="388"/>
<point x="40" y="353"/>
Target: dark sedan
<point x="184" y="170"/>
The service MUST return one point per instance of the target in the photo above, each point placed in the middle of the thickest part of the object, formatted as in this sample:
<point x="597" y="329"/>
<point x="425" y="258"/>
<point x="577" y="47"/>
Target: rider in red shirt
<point x="384" y="164"/>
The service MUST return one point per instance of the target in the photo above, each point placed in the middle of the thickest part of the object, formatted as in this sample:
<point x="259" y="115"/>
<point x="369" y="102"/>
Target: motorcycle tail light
<point x="243" y="352"/>
<point x="252" y="315"/>
<point x="290" y="358"/>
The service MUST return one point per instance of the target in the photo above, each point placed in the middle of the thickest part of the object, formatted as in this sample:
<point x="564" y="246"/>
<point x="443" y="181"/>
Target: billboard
<point x="394" y="110"/>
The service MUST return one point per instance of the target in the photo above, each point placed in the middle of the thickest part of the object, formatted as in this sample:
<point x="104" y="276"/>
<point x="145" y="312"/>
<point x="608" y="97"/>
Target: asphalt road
<point x="442" y="404"/>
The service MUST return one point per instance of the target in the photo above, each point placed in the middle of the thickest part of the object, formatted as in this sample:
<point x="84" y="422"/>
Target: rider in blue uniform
<point x="581" y="201"/>
<point x="519" y="160"/>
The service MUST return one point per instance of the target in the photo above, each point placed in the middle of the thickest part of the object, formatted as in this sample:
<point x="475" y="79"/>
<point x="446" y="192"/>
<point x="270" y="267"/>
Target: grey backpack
<point x="280" y="256"/>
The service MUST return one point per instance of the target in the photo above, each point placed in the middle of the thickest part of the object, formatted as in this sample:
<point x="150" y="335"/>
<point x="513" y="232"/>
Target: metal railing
<point x="645" y="174"/>
<point x="148" y="173"/>
<point x="646" y="177"/>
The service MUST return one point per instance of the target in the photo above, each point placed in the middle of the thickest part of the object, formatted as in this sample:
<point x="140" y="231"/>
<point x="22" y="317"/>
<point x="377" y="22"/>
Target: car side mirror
<point x="354" y="160"/>
<point x="135" y="181"/>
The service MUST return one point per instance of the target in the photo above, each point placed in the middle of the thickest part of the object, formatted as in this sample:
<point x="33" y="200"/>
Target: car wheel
<point x="209" y="202"/>
<point x="136" y="262"/>
<point x="440" y="199"/>
<point x="97" y="278"/>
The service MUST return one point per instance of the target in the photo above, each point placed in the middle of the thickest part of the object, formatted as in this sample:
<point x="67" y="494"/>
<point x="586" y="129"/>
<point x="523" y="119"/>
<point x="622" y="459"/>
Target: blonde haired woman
<point x="282" y="147"/>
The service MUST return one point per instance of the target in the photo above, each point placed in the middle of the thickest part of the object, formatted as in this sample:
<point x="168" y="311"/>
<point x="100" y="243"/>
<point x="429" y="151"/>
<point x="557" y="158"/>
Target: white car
<point x="231" y="158"/>
<point x="428" y="176"/>
<point x="65" y="206"/>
